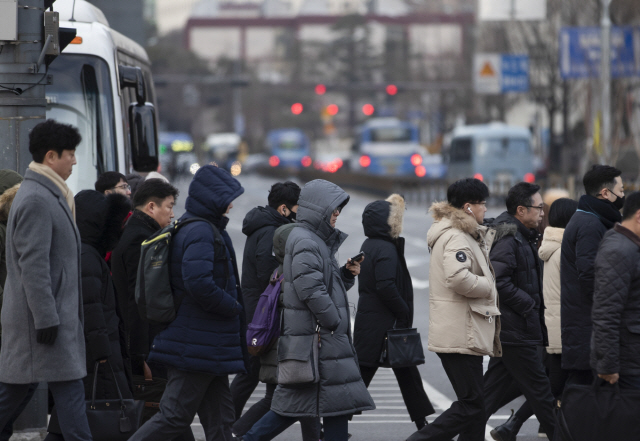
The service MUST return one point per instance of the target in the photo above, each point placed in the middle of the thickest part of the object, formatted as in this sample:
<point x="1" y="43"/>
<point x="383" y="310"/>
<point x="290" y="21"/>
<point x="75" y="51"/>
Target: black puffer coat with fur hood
<point x="384" y="283"/>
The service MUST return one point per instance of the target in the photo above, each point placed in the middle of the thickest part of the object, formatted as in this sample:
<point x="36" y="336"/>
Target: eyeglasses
<point x="337" y="211"/>
<point x="537" y="207"/>
<point x="123" y="187"/>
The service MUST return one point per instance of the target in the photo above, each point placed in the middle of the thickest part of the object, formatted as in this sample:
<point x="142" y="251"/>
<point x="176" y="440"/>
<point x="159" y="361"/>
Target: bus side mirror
<point x="132" y="77"/>
<point x="144" y="142"/>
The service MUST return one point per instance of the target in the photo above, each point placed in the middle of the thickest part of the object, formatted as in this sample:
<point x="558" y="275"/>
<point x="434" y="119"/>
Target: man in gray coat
<point x="315" y="302"/>
<point x="42" y="321"/>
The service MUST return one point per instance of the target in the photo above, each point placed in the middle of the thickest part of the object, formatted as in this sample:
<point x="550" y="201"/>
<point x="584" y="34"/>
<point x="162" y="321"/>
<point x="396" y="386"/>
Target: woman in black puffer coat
<point x="386" y="300"/>
<point x="99" y="219"/>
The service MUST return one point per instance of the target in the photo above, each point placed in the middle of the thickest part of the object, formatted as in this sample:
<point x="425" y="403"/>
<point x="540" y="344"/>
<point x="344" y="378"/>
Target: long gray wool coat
<point x="308" y="264"/>
<point x="42" y="288"/>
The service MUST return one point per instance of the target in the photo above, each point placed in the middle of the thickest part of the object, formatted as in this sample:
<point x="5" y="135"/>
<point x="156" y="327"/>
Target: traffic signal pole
<point x="22" y="106"/>
<point x="22" y="79"/>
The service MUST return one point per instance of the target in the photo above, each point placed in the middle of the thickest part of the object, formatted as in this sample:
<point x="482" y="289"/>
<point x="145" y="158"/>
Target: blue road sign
<point x="515" y="73"/>
<point x="580" y="52"/>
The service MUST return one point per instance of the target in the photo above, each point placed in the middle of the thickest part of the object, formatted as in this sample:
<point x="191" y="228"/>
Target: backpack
<point x="154" y="296"/>
<point x="264" y="329"/>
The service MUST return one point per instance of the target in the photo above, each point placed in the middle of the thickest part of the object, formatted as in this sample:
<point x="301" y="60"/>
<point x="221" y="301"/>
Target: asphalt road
<point x="390" y="421"/>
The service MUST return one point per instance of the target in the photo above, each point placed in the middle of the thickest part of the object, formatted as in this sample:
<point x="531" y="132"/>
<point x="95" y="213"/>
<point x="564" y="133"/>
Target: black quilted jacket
<point x="615" y="341"/>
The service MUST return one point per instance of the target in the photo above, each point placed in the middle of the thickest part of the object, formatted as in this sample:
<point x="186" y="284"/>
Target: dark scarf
<point x="608" y="214"/>
<point x="146" y="219"/>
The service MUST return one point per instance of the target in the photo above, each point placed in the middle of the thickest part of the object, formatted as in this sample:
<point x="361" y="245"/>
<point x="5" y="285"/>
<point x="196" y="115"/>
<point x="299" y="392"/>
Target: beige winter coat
<point x="550" y="253"/>
<point x="464" y="316"/>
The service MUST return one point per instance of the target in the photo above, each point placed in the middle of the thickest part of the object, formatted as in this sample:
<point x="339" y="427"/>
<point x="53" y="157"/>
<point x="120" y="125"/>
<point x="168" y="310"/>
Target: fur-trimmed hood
<point x="551" y="242"/>
<point x="99" y="218"/>
<point x="6" y="199"/>
<point x="446" y="217"/>
<point x="383" y="219"/>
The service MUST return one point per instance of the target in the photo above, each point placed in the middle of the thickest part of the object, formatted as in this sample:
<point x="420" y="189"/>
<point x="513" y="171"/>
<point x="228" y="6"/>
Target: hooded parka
<point x="43" y="287"/>
<point x="463" y="302"/>
<point x="99" y="220"/>
<point x="308" y="266"/>
<point x="207" y="334"/>
<point x="384" y="283"/>
<point x="550" y="253"/>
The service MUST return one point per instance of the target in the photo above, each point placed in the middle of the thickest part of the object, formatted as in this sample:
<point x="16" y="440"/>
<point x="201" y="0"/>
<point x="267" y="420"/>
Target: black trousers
<point x="243" y="386"/>
<point x="519" y="371"/>
<point x="557" y="378"/>
<point x="465" y="416"/>
<point x="411" y="388"/>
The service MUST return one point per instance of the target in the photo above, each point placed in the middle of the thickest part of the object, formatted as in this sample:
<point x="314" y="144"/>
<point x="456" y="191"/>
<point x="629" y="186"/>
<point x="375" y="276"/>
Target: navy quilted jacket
<point x="206" y="335"/>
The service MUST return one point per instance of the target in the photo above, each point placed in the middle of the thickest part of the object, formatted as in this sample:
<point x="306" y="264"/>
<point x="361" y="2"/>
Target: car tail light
<point x="274" y="161"/>
<point x="306" y="161"/>
<point x="416" y="160"/>
<point x="479" y="177"/>
<point x="530" y="178"/>
<point x="421" y="171"/>
<point x="365" y="161"/>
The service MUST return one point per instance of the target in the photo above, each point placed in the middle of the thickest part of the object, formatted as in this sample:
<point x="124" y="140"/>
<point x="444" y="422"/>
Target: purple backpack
<point x="264" y="329"/>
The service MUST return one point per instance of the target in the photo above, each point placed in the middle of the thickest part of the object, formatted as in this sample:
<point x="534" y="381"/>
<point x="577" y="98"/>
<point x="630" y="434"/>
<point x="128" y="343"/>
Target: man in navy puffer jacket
<point x="204" y="344"/>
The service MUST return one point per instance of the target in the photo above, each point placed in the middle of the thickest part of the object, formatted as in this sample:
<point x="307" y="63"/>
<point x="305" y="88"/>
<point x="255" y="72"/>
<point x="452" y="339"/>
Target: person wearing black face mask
<point x="258" y="265"/>
<point x="598" y="211"/>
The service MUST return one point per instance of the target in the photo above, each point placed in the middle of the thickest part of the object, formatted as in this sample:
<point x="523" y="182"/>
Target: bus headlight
<point x="236" y="168"/>
<point x="194" y="168"/>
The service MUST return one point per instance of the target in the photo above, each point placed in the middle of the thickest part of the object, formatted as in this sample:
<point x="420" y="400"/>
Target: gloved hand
<point x="47" y="336"/>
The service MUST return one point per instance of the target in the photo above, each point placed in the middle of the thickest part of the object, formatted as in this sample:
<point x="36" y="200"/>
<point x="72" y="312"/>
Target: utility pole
<point x="29" y="41"/>
<point x="22" y="79"/>
<point x="605" y="77"/>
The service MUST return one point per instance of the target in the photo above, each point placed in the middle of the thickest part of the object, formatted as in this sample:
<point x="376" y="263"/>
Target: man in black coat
<point x="518" y="272"/>
<point x="615" y="344"/>
<point x="597" y="212"/>
<point x="386" y="301"/>
<point x="153" y="210"/>
<point x="258" y="264"/>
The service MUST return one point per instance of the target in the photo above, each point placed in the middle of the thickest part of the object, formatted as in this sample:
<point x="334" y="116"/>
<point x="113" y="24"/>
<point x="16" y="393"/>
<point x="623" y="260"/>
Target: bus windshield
<point x="81" y="95"/>
<point x="503" y="147"/>
<point x="290" y="141"/>
<point x="390" y="134"/>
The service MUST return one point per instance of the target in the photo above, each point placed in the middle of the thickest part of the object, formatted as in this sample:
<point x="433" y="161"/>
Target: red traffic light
<point x="321" y="89"/>
<point x="332" y="109"/>
<point x="297" y="108"/>
<point x="392" y="89"/>
<point x="368" y="109"/>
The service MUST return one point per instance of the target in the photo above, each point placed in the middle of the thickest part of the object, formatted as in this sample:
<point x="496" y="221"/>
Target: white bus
<point x="101" y="83"/>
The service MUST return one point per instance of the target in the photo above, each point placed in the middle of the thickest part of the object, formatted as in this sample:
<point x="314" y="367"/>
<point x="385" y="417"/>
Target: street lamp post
<point x="605" y="77"/>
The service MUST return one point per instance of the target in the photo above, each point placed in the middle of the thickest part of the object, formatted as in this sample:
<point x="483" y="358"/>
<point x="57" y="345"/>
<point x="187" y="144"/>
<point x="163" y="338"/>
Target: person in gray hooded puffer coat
<point x="310" y="268"/>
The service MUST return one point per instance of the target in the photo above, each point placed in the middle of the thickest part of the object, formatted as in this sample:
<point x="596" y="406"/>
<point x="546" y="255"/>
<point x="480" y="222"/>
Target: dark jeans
<point x="8" y="428"/>
<point x="243" y="386"/>
<point x="188" y="393"/>
<point x="69" y="399"/>
<point x="411" y="388"/>
<point x="557" y="378"/>
<point x="465" y="416"/>
<point x="310" y="427"/>
<point x="271" y="425"/>
<point x="519" y="371"/>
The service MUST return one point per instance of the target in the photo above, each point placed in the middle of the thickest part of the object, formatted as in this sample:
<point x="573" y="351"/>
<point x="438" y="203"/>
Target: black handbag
<point x="402" y="348"/>
<point x="598" y="412"/>
<point x="149" y="390"/>
<point x="109" y="420"/>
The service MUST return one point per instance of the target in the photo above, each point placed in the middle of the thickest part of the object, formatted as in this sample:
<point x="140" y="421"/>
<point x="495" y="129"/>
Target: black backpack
<point x="154" y="297"/>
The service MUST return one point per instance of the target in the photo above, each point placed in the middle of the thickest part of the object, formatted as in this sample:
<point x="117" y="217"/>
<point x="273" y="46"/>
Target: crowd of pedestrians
<point x="549" y="291"/>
